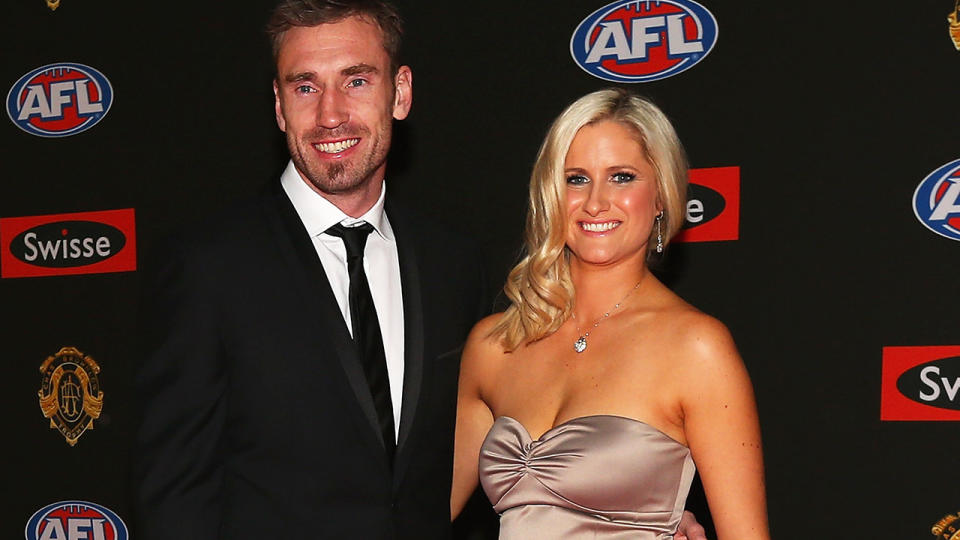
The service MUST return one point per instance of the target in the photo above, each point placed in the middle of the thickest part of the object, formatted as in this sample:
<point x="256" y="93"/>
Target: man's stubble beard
<point x="340" y="177"/>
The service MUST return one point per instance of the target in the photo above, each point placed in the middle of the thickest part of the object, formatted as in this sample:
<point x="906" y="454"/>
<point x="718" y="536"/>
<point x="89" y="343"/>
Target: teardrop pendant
<point x="580" y="345"/>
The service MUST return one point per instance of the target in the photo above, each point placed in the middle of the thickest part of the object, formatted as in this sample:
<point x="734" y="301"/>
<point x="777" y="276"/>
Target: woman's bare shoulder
<point x="483" y="349"/>
<point x="700" y="340"/>
<point x="481" y="333"/>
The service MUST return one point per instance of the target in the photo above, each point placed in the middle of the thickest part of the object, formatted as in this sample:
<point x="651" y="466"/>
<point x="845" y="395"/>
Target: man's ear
<point x="277" y="108"/>
<point x="403" y="93"/>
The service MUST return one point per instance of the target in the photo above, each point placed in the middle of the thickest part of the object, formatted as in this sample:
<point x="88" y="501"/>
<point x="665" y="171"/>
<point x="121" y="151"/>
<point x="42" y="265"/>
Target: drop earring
<point x="659" y="232"/>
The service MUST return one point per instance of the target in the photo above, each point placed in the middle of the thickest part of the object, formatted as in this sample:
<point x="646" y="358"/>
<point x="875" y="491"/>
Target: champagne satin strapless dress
<point x="604" y="477"/>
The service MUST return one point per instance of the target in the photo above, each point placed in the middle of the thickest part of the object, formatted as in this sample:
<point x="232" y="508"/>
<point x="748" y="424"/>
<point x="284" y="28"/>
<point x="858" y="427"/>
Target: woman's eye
<point x="577" y="180"/>
<point x="623" y="177"/>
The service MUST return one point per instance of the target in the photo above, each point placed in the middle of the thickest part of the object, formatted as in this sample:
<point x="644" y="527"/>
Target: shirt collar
<point x="318" y="214"/>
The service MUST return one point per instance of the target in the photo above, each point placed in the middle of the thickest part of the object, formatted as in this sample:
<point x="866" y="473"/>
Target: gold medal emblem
<point x="70" y="394"/>
<point x="954" y="19"/>
<point x="947" y="528"/>
<point x="53" y="4"/>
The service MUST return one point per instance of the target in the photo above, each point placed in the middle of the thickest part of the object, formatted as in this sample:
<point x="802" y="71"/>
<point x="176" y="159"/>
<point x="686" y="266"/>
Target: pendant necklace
<point x="580" y="344"/>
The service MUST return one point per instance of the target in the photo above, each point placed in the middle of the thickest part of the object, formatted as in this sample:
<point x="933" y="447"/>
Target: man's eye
<point x="577" y="180"/>
<point x="303" y="89"/>
<point x="356" y="83"/>
<point x="623" y="177"/>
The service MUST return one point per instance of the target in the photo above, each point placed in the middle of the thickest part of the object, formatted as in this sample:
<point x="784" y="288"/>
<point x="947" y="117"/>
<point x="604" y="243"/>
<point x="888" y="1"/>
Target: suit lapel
<point x="298" y="249"/>
<point x="413" y="331"/>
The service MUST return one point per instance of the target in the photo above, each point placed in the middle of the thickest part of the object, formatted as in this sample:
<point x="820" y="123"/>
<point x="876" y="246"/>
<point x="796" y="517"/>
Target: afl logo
<point x="936" y="201"/>
<point x="643" y="40"/>
<point x="75" y="520"/>
<point x="58" y="100"/>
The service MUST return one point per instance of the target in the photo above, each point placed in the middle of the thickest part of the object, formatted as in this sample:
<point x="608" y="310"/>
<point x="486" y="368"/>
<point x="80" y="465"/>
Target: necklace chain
<point x="580" y="344"/>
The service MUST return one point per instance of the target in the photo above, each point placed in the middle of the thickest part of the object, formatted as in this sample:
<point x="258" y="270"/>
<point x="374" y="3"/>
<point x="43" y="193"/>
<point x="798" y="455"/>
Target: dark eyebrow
<point x="359" y="69"/>
<point x="302" y="76"/>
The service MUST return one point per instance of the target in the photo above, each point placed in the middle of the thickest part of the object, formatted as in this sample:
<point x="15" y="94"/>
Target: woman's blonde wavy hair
<point x="539" y="286"/>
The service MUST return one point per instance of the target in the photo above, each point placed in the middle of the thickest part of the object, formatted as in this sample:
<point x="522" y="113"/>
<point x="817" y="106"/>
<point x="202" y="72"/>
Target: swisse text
<point x="67" y="243"/>
<point x="703" y="204"/>
<point x="931" y="379"/>
<point x="935" y="383"/>
<point x="74" y="248"/>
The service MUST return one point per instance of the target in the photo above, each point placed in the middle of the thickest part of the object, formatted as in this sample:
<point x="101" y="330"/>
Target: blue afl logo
<point x="936" y="201"/>
<point x="75" y="520"/>
<point x="58" y="100"/>
<point x="643" y="40"/>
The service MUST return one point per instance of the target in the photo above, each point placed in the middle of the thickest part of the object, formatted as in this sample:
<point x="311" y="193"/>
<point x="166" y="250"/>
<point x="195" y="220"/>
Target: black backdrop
<point x="834" y="112"/>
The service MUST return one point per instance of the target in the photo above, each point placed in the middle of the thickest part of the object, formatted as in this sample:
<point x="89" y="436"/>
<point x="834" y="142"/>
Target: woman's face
<point x="611" y="194"/>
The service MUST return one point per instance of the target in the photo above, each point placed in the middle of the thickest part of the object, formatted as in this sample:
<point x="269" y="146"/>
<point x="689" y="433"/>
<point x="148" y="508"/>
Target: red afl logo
<point x="75" y="520"/>
<point x="58" y="100"/>
<point x="643" y="40"/>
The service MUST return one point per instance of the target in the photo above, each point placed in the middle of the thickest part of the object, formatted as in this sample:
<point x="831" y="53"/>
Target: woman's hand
<point x="690" y="528"/>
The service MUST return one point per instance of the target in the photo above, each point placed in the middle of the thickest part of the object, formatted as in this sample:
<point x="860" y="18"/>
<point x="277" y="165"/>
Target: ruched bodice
<point x="605" y="477"/>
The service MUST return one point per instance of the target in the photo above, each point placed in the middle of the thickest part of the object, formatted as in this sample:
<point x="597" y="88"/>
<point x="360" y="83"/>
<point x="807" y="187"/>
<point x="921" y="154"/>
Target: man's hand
<point x="689" y="528"/>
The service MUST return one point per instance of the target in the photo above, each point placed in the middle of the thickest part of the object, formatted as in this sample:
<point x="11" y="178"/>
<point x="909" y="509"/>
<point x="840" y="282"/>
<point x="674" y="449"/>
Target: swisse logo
<point x="65" y="244"/>
<point x="703" y="205"/>
<point x="61" y="244"/>
<point x="936" y="201"/>
<point x="713" y="205"/>
<point x="75" y="520"/>
<point x="920" y="383"/>
<point x="935" y="383"/>
<point x="58" y="100"/>
<point x="642" y="41"/>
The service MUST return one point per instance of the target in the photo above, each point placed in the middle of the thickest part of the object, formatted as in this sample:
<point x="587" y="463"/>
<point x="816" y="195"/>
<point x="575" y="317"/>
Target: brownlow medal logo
<point x="954" y="19"/>
<point x="947" y="528"/>
<point x="70" y="394"/>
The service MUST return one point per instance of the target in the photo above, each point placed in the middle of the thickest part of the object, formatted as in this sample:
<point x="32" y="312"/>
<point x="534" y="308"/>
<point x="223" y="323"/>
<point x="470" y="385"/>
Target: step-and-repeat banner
<point x="823" y="220"/>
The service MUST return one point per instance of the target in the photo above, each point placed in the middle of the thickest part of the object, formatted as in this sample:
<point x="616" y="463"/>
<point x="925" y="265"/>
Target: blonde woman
<point x="585" y="405"/>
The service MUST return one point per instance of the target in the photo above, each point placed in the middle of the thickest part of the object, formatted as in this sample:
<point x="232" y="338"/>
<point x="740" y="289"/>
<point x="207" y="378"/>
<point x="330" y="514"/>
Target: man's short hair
<point x="290" y="13"/>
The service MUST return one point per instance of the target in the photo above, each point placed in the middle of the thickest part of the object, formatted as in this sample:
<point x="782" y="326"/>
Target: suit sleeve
<point x="180" y="386"/>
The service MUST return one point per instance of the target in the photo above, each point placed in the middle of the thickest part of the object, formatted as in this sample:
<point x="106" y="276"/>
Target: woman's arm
<point x="474" y="417"/>
<point x="723" y="431"/>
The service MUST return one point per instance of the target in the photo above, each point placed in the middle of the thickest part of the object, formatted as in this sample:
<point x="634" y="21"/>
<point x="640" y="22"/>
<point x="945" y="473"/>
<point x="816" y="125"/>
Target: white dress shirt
<point x="380" y="263"/>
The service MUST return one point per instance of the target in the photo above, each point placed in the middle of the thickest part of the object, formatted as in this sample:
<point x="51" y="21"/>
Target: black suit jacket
<point x="256" y="418"/>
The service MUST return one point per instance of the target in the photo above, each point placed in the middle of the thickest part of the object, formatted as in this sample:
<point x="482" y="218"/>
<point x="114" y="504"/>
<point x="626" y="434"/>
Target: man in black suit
<point x="277" y="401"/>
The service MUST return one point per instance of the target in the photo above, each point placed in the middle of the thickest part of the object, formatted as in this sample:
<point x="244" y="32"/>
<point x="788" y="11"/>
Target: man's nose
<point x="332" y="110"/>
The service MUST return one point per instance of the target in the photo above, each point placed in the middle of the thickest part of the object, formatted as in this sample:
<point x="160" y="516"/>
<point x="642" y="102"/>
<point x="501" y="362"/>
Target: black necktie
<point x="366" y="329"/>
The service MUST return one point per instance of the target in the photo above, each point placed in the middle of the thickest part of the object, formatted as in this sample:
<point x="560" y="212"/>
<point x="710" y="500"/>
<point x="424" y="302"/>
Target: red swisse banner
<point x="920" y="383"/>
<point x="713" y="205"/>
<point x="66" y="244"/>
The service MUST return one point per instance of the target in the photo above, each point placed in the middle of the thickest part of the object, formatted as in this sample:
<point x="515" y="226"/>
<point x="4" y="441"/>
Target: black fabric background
<point x="834" y="112"/>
